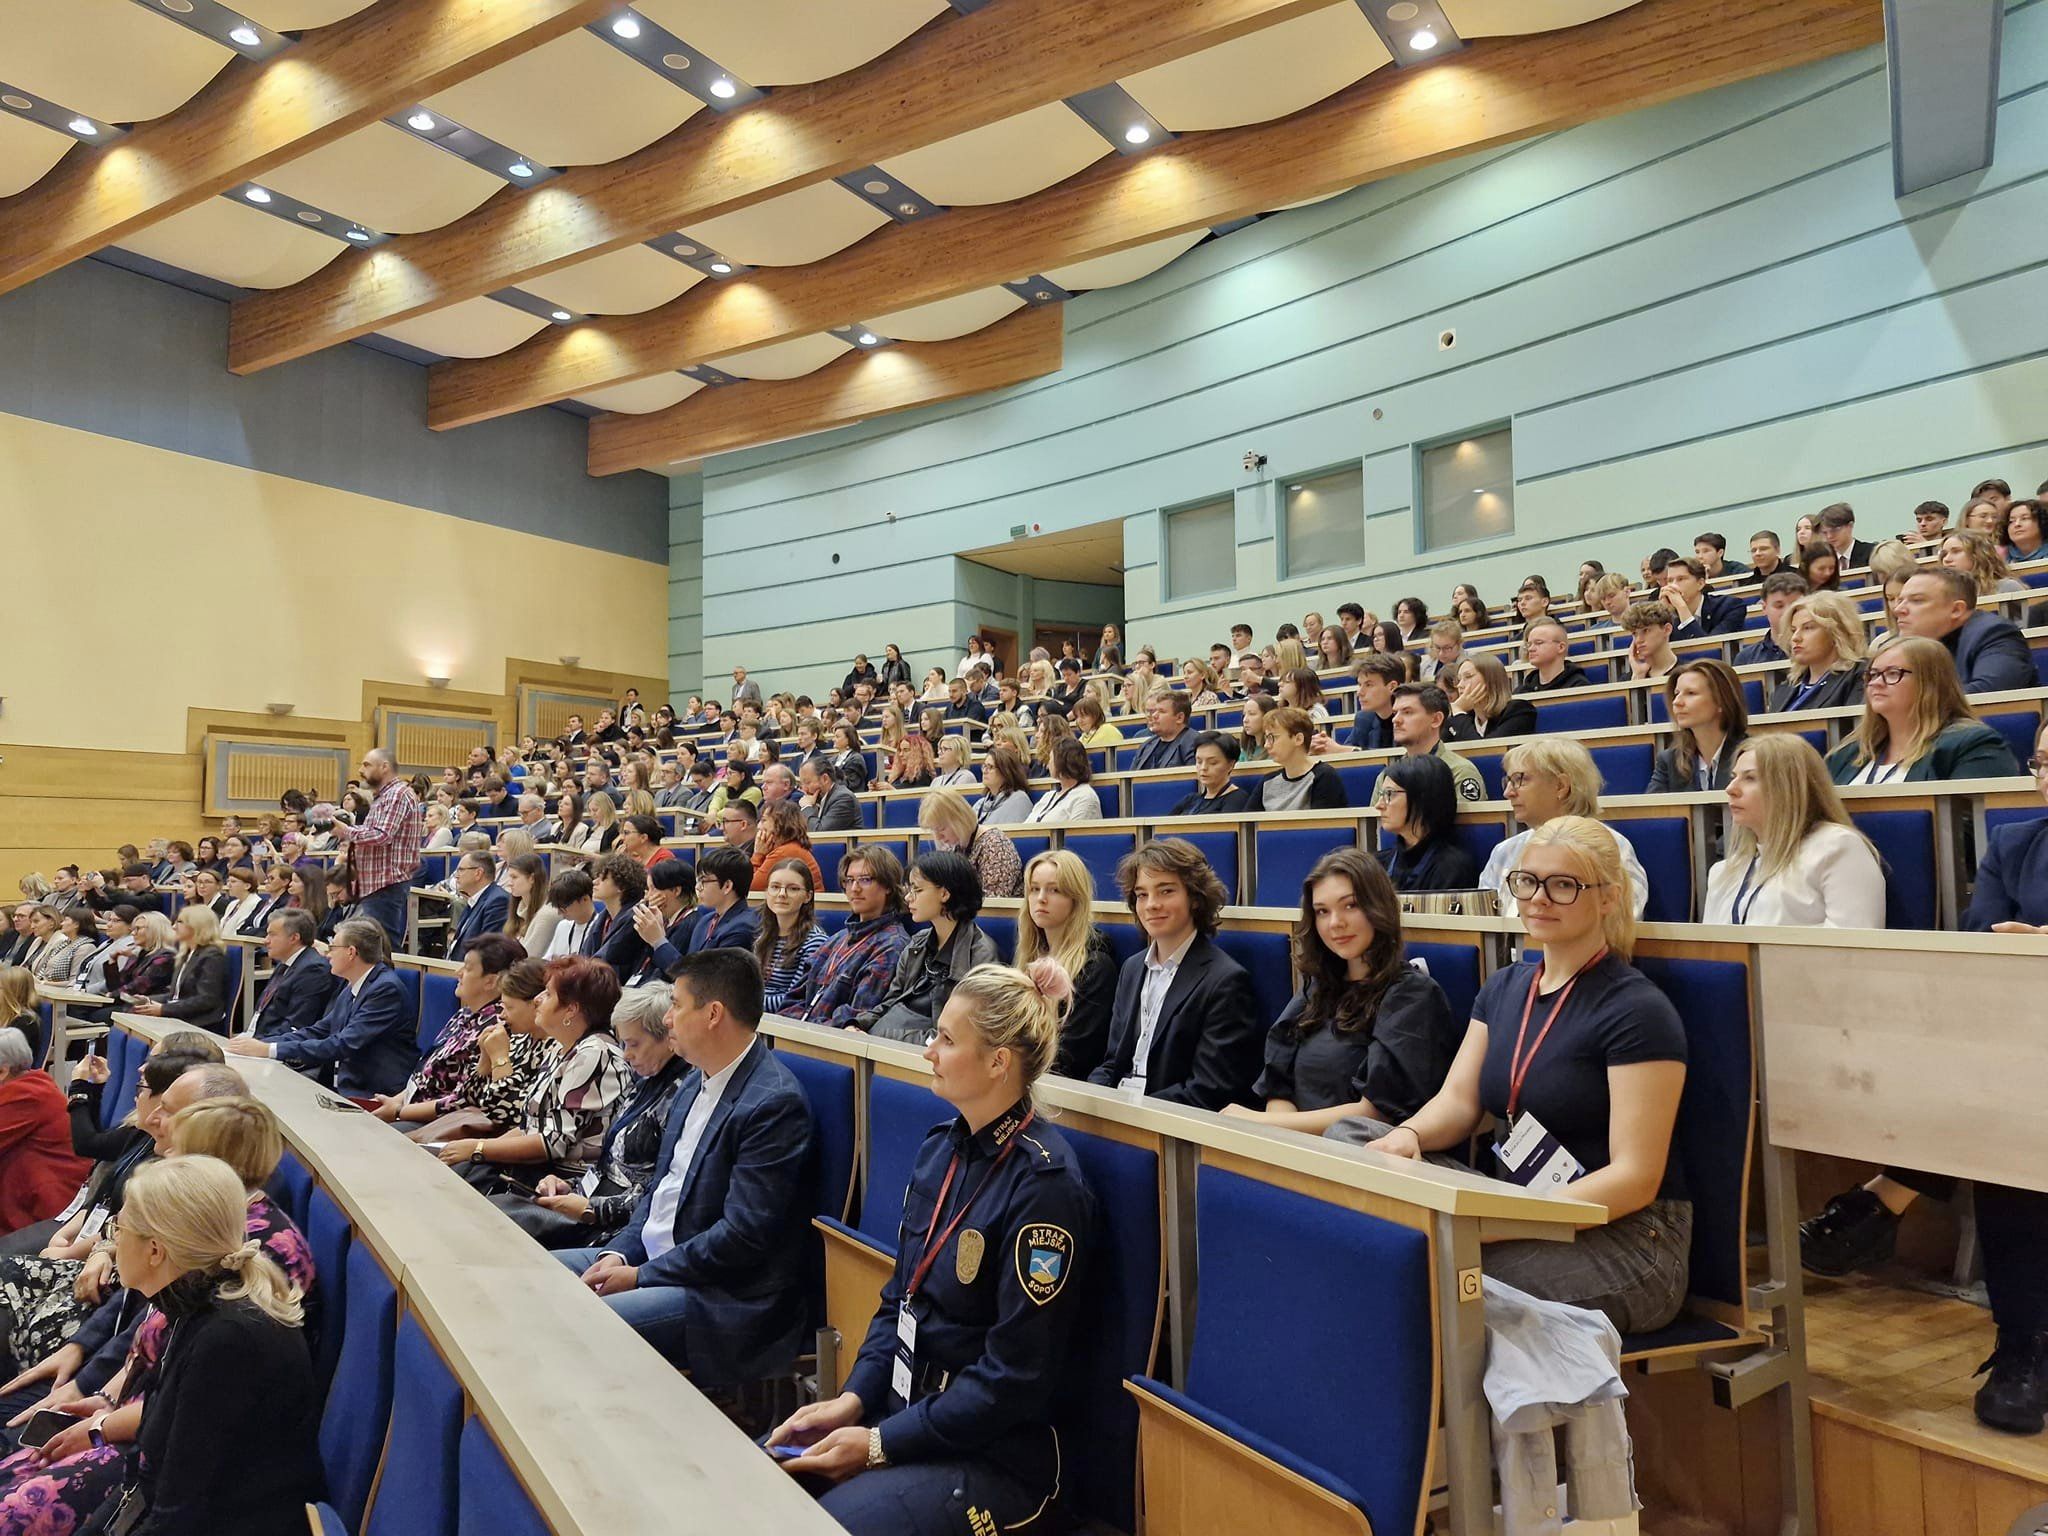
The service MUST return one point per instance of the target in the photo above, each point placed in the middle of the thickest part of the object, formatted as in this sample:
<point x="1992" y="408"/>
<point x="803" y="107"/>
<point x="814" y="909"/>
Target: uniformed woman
<point x="945" y="1427"/>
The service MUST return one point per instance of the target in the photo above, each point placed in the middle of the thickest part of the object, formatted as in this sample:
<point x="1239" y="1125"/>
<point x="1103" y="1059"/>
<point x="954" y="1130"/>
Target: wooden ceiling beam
<point x="960" y="72"/>
<point x="253" y="117"/>
<point x="1494" y="91"/>
<point x="858" y="387"/>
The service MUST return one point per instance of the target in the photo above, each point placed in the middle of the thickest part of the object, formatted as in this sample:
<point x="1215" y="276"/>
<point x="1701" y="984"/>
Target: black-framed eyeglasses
<point x="1518" y="781"/>
<point x="1891" y="677"/>
<point x="1563" y="890"/>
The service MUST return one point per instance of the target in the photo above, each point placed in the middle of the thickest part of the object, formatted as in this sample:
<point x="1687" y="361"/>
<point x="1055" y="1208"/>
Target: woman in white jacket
<point x="1795" y="859"/>
<point x="1074" y="799"/>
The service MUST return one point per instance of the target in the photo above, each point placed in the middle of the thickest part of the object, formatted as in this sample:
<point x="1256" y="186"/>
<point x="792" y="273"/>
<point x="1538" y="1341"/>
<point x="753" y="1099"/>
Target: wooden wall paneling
<point x="424" y="742"/>
<point x="74" y="805"/>
<point x="247" y="775"/>
<point x="352" y="736"/>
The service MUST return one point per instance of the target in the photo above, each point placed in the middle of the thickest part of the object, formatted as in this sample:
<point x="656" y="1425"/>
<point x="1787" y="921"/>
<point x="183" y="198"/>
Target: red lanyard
<point x="1518" y="1064"/>
<point x="932" y="1249"/>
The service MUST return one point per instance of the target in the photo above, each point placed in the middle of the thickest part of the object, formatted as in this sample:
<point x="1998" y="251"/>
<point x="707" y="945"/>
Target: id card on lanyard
<point x="1530" y="1155"/>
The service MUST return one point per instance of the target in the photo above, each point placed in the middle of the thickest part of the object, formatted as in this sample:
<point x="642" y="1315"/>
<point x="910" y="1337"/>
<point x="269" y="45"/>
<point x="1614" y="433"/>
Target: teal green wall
<point x="1713" y="314"/>
<point x="685" y="587"/>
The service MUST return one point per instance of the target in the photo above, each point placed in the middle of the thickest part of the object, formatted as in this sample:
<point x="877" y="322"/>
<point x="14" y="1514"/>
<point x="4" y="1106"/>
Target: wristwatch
<point x="875" y="1456"/>
<point x="92" y="1429"/>
<point x="476" y="1153"/>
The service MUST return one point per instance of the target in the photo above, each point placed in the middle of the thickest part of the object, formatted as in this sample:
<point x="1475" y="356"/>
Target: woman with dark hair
<point x="208" y="857"/>
<point x="1386" y="638"/>
<point x="1007" y="784"/>
<point x="1821" y="567"/>
<point x="1367" y="1034"/>
<point x="1073" y="797"/>
<point x="1590" y="571"/>
<point x="1411" y="617"/>
<point x="1705" y="699"/>
<point x="1333" y="648"/>
<point x="894" y="668"/>
<point x="789" y="934"/>
<point x="848" y="763"/>
<point x="1469" y="611"/>
<point x="1420" y="808"/>
<point x="944" y="892"/>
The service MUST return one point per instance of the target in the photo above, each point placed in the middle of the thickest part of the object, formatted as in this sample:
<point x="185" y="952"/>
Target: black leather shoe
<point x="2015" y="1399"/>
<point x="1852" y="1231"/>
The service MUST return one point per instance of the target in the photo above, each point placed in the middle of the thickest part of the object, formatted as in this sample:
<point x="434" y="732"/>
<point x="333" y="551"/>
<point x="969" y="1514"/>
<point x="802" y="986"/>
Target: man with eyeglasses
<point x="1941" y="604"/>
<point x="724" y="920"/>
<point x="852" y="973"/>
<point x="738" y="822"/>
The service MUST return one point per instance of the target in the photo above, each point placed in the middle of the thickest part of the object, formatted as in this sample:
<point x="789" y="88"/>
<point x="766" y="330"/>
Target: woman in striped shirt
<point x="792" y="936"/>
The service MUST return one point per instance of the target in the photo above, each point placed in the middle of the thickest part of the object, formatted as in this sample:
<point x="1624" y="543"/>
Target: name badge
<point x="96" y="1223"/>
<point x="906" y="1353"/>
<point x="77" y="1204"/>
<point x="1534" y="1158"/>
<point x="588" y="1185"/>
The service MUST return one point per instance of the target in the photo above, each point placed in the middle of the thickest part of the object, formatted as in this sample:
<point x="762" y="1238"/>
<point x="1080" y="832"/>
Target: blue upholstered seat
<point x="1664" y="844"/>
<point x="490" y="1499"/>
<point x="1102" y="852"/>
<point x="828" y="1086"/>
<point x="291" y="1186"/>
<point x="1220" y="849"/>
<point x="359" y="1398"/>
<point x="900" y="1116"/>
<point x="329" y="1235"/>
<point x="1283" y="855"/>
<point x="1625" y="770"/>
<point x="1562" y="716"/>
<point x="437" y="1006"/>
<point x="1904" y="839"/>
<point x="418" y="1491"/>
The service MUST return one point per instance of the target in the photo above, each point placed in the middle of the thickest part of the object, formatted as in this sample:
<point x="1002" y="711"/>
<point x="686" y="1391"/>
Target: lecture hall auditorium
<point x="1337" y="826"/>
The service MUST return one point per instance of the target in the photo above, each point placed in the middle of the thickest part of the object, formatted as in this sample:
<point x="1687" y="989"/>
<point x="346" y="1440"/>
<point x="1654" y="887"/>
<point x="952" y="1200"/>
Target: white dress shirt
<point x="567" y="939"/>
<point x="658" y="1234"/>
<point x="1159" y="973"/>
<point x="1833" y="881"/>
<point x="277" y="970"/>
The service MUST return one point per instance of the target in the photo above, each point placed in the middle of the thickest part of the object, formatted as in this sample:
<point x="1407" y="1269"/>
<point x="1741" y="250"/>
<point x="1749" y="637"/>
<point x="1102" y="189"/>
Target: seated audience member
<point x="783" y="834"/>
<point x="569" y="829"/>
<point x="1711" y="550"/>
<point x="435" y="1088"/>
<point x="944" y="893"/>
<point x="1214" y="794"/>
<point x="996" y="1339"/>
<point x="273" y="894"/>
<point x="664" y="920"/>
<point x="911" y="765"/>
<point x="1982" y="558"/>
<point x="1705" y="701"/>
<point x="1446" y="649"/>
<point x="1073" y="797"/>
<point x="2026" y="530"/>
<point x="1930" y="521"/>
<point x="1649" y="647"/>
<point x="736" y="790"/>
<point x="438" y="823"/>
<point x="1604" y="1082"/>
<point x="368" y="1038"/>
<point x="528" y="916"/>
<point x="789" y="937"/>
<point x="570" y="894"/>
<point x="1824" y="642"/>
<point x="117" y="946"/>
<point x="67" y="942"/>
<point x="1984" y="513"/>
<point x="1892" y="560"/>
<point x="1916" y="725"/>
<point x="595" y="1208"/>
<point x="1171" y="743"/>
<point x="724" y="920"/>
<point x="301" y="981"/>
<point x="1698" y="611"/>
<point x="1837" y="529"/>
<point x="1301" y="689"/>
<point x="1091" y="723"/>
<point x="1252" y="675"/>
<point x="1368" y="1034"/>
<point x="1542" y="780"/>
<point x="561" y="1125"/>
<point x="1184" y="1026"/>
<point x="1795" y="860"/>
<point x="38" y="1168"/>
<point x="1532" y="599"/>
<point x="1006" y="785"/>
<point x="709" y="1268"/>
<point x="2011" y="893"/>
<point x="954" y="768"/>
<point x="18" y="1007"/>
<point x="1546" y="646"/>
<point x="1781" y="589"/>
<point x="241" y="900"/>
<point x="619" y="883"/>
<point x="962" y="703"/>
<point x="1610" y="594"/>
<point x="199" y="977"/>
<point x="1420" y="809"/>
<point x="486" y="902"/>
<point x="147" y="972"/>
<point x="640" y="838"/>
<point x="952" y="823"/>
<point x="1058" y="921"/>
<point x="1419" y="711"/>
<point x="1483" y="702"/>
<point x="1821" y="567"/>
<point x="1302" y="783"/>
<point x="1373" y="726"/>
<point x="854" y="970"/>
<point x="601" y="830"/>
<point x="829" y="806"/>
<point x="1990" y="653"/>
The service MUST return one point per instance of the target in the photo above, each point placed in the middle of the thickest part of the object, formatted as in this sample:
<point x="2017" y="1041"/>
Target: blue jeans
<point x="386" y="908"/>
<point x="655" y="1313"/>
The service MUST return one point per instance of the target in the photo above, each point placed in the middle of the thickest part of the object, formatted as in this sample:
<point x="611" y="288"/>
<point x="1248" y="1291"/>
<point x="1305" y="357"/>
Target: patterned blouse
<point x="995" y="860"/>
<point x="782" y="978"/>
<point x="572" y="1105"/>
<point x="503" y="1099"/>
<point x="440" y="1076"/>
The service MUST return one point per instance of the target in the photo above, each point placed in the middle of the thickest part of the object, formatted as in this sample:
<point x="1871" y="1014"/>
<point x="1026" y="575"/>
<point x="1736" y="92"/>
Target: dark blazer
<point x="742" y="1224"/>
<point x="2012" y="882"/>
<point x="1518" y="719"/>
<point x="1965" y="749"/>
<point x="1177" y="753"/>
<point x="199" y="992"/>
<point x="1718" y="615"/>
<point x="295" y="997"/>
<point x="1991" y="654"/>
<point x="736" y="930"/>
<point x="370" y="1038"/>
<point x="851" y="769"/>
<point x="1369" y="732"/>
<point x="662" y="960"/>
<point x="611" y="937"/>
<point x="1084" y="1033"/>
<point x="836" y="810"/>
<point x="1209" y="1043"/>
<point x="486" y="914"/>
<point x="1760" y="651"/>
<point x="1669" y="777"/>
<point x="1841" y="689"/>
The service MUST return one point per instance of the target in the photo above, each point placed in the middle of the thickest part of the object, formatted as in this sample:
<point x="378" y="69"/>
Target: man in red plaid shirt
<point x="384" y="852"/>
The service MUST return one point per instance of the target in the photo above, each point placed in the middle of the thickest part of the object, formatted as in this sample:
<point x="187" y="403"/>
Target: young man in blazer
<point x="487" y="901"/>
<point x="711" y="1268"/>
<point x="1185" y="1026"/>
<point x="664" y="920"/>
<point x="368" y="1037"/>
<point x="300" y="984"/>
<point x="619" y="881"/>
<point x="1991" y="654"/>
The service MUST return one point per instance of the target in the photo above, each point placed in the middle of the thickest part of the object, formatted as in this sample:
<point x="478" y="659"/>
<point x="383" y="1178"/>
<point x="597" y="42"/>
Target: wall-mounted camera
<point x="1253" y="462"/>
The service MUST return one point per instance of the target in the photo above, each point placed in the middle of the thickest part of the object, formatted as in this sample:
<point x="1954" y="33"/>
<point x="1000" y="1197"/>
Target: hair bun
<point x="1050" y="978"/>
<point x="245" y="1255"/>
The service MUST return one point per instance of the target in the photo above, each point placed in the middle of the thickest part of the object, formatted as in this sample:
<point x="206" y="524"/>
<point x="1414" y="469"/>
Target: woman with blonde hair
<point x="1543" y="779"/>
<point x="434" y="819"/>
<point x="602" y="828"/>
<point x="1203" y="686"/>
<point x="1287" y="655"/>
<point x="955" y="761"/>
<point x="1603" y="1083"/>
<point x="1891" y="558"/>
<point x="199" y="974"/>
<point x="892" y="728"/>
<point x="1979" y="555"/>
<point x="1058" y="921"/>
<point x="1795" y="860"/>
<point x="953" y="824"/>
<point x="1825" y="643"/>
<point x="1917" y="726"/>
<point x="1483" y="702"/>
<point x="639" y="802"/>
<point x="1053" y="728"/>
<point x="910" y="766"/>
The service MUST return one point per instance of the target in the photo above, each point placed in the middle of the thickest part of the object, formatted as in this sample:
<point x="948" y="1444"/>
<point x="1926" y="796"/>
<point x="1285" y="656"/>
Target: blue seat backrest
<point x="125" y="1055"/>
<point x="1711" y="1140"/>
<point x="832" y="919"/>
<point x="1480" y="838"/>
<point x="1358" y="780"/>
<point x="433" y="868"/>
<point x="238" y="956"/>
<point x="1753" y="695"/>
<point x="900" y="811"/>
<point x="418" y="1491"/>
<point x="359" y="1398"/>
<point x="1455" y="968"/>
<point x="1230" y="719"/>
<point x="2005" y="816"/>
<point x="1098" y="760"/>
<point x="1125" y="939"/>
<point x="1156" y="797"/>
<point x="1266" y="957"/>
<point x="409" y="978"/>
<point x="1098" y="1419"/>
<point x="900" y="1116"/>
<point x="1102" y="852"/>
<point x="1570" y="715"/>
<point x="46" y="1016"/>
<point x="1356" y="1289"/>
<point x="1491" y="772"/>
<point x="1001" y="928"/>
<point x="1598" y="671"/>
<point x="870" y="814"/>
<point x="1029" y="845"/>
<point x="2040" y="650"/>
<point x="291" y="1187"/>
<point x="328" y="1234"/>
<point x="1625" y="770"/>
<point x="490" y="1501"/>
<point x="1664" y="844"/>
<point x="828" y="1087"/>
<point x="437" y="1006"/>
<point x="1220" y="849"/>
<point x="1660" y="708"/>
<point x="1282" y="856"/>
<point x="2019" y="727"/>
<point x="900" y="846"/>
<point x="828" y="855"/>
<point x="1111" y="798"/>
<point x="1904" y="839"/>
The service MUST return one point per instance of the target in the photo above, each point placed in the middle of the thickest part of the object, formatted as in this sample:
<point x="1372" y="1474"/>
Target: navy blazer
<point x="486" y="914"/>
<point x="295" y="997"/>
<point x="1209" y="1044"/>
<point x="2012" y="881"/>
<point x="661" y="961"/>
<point x="370" y="1038"/>
<point x="1155" y="753"/>
<point x="736" y="930"/>
<point x="611" y="937"/>
<point x="1370" y="732"/>
<point x="742" y="1223"/>
<point x="1718" y="615"/>
<point x="1991" y="654"/>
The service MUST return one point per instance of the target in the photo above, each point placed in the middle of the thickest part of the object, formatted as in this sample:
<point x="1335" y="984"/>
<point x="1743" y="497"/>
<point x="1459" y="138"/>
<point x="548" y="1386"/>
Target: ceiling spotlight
<point x="359" y="236"/>
<point x="627" y="26"/>
<point x="257" y="195"/>
<point x="421" y="121"/>
<point x="520" y="168"/>
<point x="1137" y="133"/>
<point x="721" y="267"/>
<point x="84" y="127"/>
<point x="868" y="339"/>
<point x="1423" y="41"/>
<point x="906" y="209"/>
<point x="724" y="89"/>
<point x="245" y="37"/>
<point x="558" y="314"/>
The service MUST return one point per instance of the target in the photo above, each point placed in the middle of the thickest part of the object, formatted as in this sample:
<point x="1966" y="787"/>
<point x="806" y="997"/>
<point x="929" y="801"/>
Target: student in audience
<point x="384" y="845"/>
<point x="663" y="921"/>
<point x="337" y="903"/>
<point x="995" y="1340"/>
<point x="740" y="824"/>
<point x="1058" y="921"/>
<point x="199" y="977"/>
<point x="1699" y="612"/>
<point x="789" y="937"/>
<point x="572" y="894"/>
<point x="783" y="835"/>
<point x="1545" y="645"/>
<point x="1824" y="633"/>
<point x="1917" y="726"/>
<point x="301" y="981"/>
<point x="1302" y="783"/>
<point x="528" y="916"/>
<point x="1706" y="707"/>
<point x="1979" y="556"/>
<point x="1184" y="1026"/>
<point x="1483" y="702"/>
<point x="2026" y="530"/>
<point x="436" y="1086"/>
<point x="272" y="895"/>
<point x="1794" y="858"/>
<point x="1419" y="711"/>
<point x="1446" y="649"/>
<point x="1333" y="652"/>
<point x="1411" y="618"/>
<point x="910" y="765"/>
<point x="1603" y="1075"/>
<point x="1372" y="728"/>
<point x="952" y="823"/>
<point x="1384" y="638"/>
<point x="1470" y="613"/>
<point x="943" y="893"/>
<point x="1420" y="809"/>
<point x="1053" y="728"/>
<point x="1821" y="567"/>
<point x="848" y="763"/>
<point x="1649" y="626"/>
<point x="1930" y="521"/>
<point x="1838" y="530"/>
<point x="1073" y="797"/>
<point x="1985" y="515"/>
<point x="2011" y="892"/>
<point x="1892" y="560"/>
<point x="955" y="763"/>
<point x="369" y="1036"/>
<point x="853" y="972"/>
<point x="1532" y="599"/>
<point x="1251" y="738"/>
<point x="640" y="835"/>
<point x="1006" y="783"/>
<point x="1214" y="794"/>
<point x="1301" y="689"/>
<point x="18" y="1007"/>
<point x="1781" y="589"/>
<point x="1544" y="779"/>
<point x="486" y="902"/>
<point x="1170" y="744"/>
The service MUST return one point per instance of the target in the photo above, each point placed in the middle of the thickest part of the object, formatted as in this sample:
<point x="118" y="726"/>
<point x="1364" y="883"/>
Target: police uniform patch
<point x="967" y="1257"/>
<point x="1044" y="1256"/>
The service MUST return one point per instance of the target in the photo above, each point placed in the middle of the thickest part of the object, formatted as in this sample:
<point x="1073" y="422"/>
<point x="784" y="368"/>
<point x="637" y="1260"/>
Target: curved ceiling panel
<point x="387" y="179"/>
<point x="643" y="395"/>
<point x="948" y="317"/>
<point x="1265" y="74"/>
<point x="785" y="359"/>
<point x="1010" y="159"/>
<point x="473" y="328"/>
<point x="788" y="42"/>
<point x="108" y="58"/>
<point x="232" y="244"/>
<point x="1125" y="266"/>
<point x="27" y="151"/>
<point x="298" y="15"/>
<point x="574" y="101"/>
<point x="1498" y="18"/>
<point x="792" y="229"/>
<point x="618" y="283"/>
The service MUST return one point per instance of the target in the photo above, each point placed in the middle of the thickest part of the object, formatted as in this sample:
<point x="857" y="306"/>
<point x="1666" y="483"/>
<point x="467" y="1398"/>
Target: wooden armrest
<point x="1195" y="1480"/>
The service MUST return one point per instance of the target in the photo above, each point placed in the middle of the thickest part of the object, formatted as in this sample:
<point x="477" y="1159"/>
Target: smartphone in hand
<point x="43" y="1424"/>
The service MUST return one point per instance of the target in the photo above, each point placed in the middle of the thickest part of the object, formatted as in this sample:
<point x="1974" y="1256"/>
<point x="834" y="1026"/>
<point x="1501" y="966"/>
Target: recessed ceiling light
<point x="19" y="103"/>
<point x="1423" y="41"/>
<point x="1403" y="10"/>
<point x="723" y="88"/>
<point x="358" y="235"/>
<point x="179" y="7"/>
<point x="519" y="168"/>
<point x="627" y="26"/>
<point x="721" y="267"/>
<point x="675" y="61"/>
<point x="875" y="187"/>
<point x="1137" y="133"/>
<point x="421" y="121"/>
<point x="1043" y="295"/>
<point x="308" y="216"/>
<point x="83" y="127"/>
<point x="245" y="37"/>
<point x="560" y="314"/>
<point x="257" y="195"/>
<point x="685" y="250"/>
<point x="868" y="339"/>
